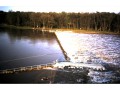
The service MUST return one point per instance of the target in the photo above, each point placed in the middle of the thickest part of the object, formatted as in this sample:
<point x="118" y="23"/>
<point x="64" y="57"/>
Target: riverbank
<point x="14" y="27"/>
<point x="87" y="31"/>
<point x="56" y="29"/>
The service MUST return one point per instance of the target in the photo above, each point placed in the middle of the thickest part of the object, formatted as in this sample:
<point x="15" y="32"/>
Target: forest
<point x="98" y="21"/>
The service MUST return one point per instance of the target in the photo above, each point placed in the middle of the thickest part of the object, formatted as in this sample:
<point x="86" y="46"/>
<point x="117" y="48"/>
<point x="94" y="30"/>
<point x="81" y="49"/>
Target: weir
<point x="27" y="68"/>
<point x="52" y="66"/>
<point x="64" y="52"/>
<point x="69" y="44"/>
<point x="74" y="51"/>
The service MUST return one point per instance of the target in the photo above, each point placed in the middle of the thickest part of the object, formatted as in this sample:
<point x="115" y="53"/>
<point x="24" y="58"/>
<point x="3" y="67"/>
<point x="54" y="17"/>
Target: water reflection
<point x="27" y="47"/>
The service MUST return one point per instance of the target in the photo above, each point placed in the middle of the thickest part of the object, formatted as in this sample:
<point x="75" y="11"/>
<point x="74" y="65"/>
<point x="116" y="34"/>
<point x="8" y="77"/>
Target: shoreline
<point x="14" y="27"/>
<point x="58" y="29"/>
<point x="88" y="31"/>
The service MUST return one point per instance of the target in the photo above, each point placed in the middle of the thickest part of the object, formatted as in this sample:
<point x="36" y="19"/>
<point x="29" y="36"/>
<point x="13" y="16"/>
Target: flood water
<point x="20" y="48"/>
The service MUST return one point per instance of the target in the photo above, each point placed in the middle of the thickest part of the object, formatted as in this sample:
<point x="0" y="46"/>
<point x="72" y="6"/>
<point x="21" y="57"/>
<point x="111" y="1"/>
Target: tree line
<point x="99" y="21"/>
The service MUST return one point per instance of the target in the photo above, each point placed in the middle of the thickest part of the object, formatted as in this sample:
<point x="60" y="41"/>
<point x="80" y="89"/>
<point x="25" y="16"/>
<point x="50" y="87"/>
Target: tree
<point x="99" y="21"/>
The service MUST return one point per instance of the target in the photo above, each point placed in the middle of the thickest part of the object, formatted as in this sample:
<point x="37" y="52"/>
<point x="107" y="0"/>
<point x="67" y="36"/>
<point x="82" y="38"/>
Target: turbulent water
<point x="21" y="48"/>
<point x="94" y="49"/>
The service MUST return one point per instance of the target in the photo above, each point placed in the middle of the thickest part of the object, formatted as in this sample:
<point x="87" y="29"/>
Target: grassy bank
<point x="14" y="27"/>
<point x="72" y="30"/>
<point x="88" y="31"/>
<point x="94" y="32"/>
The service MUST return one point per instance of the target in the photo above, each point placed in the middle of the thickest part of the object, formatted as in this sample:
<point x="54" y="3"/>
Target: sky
<point x="61" y="5"/>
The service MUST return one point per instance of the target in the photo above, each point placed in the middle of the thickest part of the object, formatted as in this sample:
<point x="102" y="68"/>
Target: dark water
<point x="27" y="47"/>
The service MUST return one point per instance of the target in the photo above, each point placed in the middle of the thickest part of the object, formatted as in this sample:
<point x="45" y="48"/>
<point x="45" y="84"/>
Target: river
<point x="20" y="48"/>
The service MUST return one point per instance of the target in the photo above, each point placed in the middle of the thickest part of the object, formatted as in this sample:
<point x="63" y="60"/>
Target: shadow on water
<point x="33" y="35"/>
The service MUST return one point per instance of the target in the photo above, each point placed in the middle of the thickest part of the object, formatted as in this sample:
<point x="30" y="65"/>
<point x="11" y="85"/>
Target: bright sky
<point x="61" y="5"/>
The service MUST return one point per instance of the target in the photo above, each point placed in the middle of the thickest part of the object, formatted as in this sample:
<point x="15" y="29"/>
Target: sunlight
<point x="73" y="45"/>
<point x="84" y="48"/>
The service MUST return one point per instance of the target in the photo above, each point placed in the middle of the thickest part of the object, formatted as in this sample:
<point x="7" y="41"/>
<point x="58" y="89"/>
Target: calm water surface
<point x="27" y="47"/>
